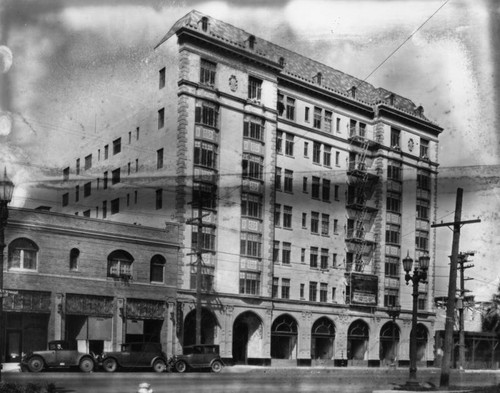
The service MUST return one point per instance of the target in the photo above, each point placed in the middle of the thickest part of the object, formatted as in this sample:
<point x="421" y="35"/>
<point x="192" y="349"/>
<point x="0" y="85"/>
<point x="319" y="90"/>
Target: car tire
<point x="86" y="365"/>
<point x="35" y="364"/>
<point x="180" y="366"/>
<point x="110" y="365"/>
<point x="216" y="366"/>
<point x="159" y="366"/>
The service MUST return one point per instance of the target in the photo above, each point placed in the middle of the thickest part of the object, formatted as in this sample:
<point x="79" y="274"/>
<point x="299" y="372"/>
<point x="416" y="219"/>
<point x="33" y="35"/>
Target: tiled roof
<point x="296" y="66"/>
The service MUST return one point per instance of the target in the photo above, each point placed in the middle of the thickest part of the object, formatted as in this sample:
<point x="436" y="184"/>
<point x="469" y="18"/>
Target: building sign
<point x="145" y="309"/>
<point x="89" y="305"/>
<point x="364" y="289"/>
<point x="26" y="301"/>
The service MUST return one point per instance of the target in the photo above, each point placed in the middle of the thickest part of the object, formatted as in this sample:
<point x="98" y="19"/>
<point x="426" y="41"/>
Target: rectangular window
<point x="106" y="152"/>
<point x="392" y="266"/>
<point x="278" y="178"/>
<point x="137" y="131"/>
<point x="279" y="142"/>
<point x="306" y="114"/>
<point x="423" y="180"/>
<point x="66" y="174"/>
<point x="395" y="138"/>
<point x="318" y="114"/>
<point x="251" y="205"/>
<point x="337" y="158"/>
<point x="290" y="108"/>
<point x="313" y="291"/>
<point x="325" y="224"/>
<point x="253" y="130"/>
<point x="205" y="154"/>
<point x="159" y="159"/>
<point x="422" y="240"/>
<point x="253" y="166"/>
<point x="391" y="297"/>
<point x="249" y="283"/>
<point x="335" y="226"/>
<point x="285" y="288"/>
<point x="422" y="301"/>
<point x="393" y="202"/>
<point x="324" y="258"/>
<point x="251" y="244"/>
<point x="115" y="176"/>
<point x="328" y="121"/>
<point x="276" y="251"/>
<point x="206" y="113"/>
<point x="392" y="233"/>
<point x="77" y="166"/>
<point x="315" y="187"/>
<point x="314" y="222"/>
<point x="65" y="199"/>
<point x="334" y="293"/>
<point x="336" y="192"/>
<point x="207" y="238"/>
<point x="289" y="145"/>
<point x="306" y="149"/>
<point x="288" y="186"/>
<point x="316" y="152"/>
<point x="394" y="171"/>
<point x="302" y="291"/>
<point x="87" y="189"/>
<point x="161" y="118"/>
<point x="207" y="72"/>
<point x="88" y="162"/>
<point x="161" y="78"/>
<point x="313" y="257"/>
<point x="207" y="278"/>
<point x="327" y="155"/>
<point x="277" y="215"/>
<point x="337" y="125"/>
<point x="286" y="253"/>
<point x="254" y="88"/>
<point x="117" y="146"/>
<point x="105" y="180"/>
<point x="326" y="190"/>
<point x="287" y="217"/>
<point x="77" y="193"/>
<point x="323" y="292"/>
<point x="303" y="255"/>
<point x="424" y="148"/>
<point x="115" y="206"/>
<point x="276" y="281"/>
<point x="304" y="220"/>
<point x="334" y="259"/>
<point x="304" y="184"/>
<point x="422" y="209"/>
<point x="159" y="199"/>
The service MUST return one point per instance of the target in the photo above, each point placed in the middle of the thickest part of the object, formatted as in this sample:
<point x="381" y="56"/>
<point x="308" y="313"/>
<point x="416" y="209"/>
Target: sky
<point x="76" y="62"/>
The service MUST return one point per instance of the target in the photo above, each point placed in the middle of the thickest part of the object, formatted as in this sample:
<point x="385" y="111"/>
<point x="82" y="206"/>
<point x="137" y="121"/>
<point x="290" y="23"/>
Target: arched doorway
<point x="208" y="327"/>
<point x="322" y="340"/>
<point x="247" y="338"/>
<point x="389" y="343"/>
<point x="422" y="339"/>
<point x="357" y="343"/>
<point x="284" y="338"/>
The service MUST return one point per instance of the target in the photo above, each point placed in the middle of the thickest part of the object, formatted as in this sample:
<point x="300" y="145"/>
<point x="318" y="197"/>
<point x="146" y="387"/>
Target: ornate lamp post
<point x="6" y="191"/>
<point x="419" y="274"/>
<point x="393" y="312"/>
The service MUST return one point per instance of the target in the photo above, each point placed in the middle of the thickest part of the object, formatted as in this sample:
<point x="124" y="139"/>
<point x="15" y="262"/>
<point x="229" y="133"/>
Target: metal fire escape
<point x="360" y="206"/>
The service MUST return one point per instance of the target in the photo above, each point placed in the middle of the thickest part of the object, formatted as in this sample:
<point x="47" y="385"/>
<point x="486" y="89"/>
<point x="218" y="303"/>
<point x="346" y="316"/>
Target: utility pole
<point x="452" y="287"/>
<point x="462" y="258"/>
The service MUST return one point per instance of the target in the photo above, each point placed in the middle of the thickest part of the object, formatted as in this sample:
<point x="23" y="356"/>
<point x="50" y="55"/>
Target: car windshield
<point x="57" y="346"/>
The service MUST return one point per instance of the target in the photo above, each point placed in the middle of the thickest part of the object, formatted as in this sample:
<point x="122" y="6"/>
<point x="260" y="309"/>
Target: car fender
<point x="218" y="360"/>
<point x="85" y="355"/>
<point x="115" y="358"/>
<point x="158" y="358"/>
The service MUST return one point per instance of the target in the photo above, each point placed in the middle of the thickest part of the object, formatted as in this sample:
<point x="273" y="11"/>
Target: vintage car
<point x="197" y="357"/>
<point x="132" y="355"/>
<point x="60" y="354"/>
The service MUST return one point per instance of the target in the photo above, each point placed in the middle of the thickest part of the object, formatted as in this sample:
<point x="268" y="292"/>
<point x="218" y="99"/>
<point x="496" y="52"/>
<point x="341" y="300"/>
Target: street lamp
<point x="393" y="312"/>
<point x="419" y="274"/>
<point x="6" y="191"/>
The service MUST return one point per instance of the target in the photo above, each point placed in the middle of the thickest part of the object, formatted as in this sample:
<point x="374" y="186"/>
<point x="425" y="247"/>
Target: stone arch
<point x="422" y="341"/>
<point x="209" y="324"/>
<point x="389" y="343"/>
<point x="358" y="335"/>
<point x="284" y="337"/>
<point x="248" y="340"/>
<point x="323" y="339"/>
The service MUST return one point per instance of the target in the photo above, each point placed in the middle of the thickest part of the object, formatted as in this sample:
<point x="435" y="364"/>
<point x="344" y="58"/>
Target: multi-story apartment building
<point x="311" y="184"/>
<point x="94" y="283"/>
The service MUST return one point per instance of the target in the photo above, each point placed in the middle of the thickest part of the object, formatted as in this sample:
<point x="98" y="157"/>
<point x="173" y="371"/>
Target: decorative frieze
<point x="90" y="305"/>
<point x="145" y="309"/>
<point x="27" y="301"/>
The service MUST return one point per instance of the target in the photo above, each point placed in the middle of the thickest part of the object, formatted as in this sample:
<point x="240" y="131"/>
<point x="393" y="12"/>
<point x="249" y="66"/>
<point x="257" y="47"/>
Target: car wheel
<point x="159" y="366"/>
<point x="35" y="364"/>
<point x="110" y="365"/>
<point x="216" y="366"/>
<point x="180" y="366"/>
<point x="86" y="365"/>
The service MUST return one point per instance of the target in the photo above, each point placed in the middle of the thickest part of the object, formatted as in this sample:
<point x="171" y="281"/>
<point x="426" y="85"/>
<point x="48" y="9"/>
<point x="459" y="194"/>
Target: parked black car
<point x="59" y="355"/>
<point x="197" y="357"/>
<point x="134" y="355"/>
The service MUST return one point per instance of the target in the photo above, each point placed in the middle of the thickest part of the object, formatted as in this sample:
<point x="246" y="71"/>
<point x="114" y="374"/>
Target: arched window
<point x="120" y="264"/>
<point x="74" y="255"/>
<point x="204" y="23"/>
<point x="157" y="268"/>
<point x="23" y="254"/>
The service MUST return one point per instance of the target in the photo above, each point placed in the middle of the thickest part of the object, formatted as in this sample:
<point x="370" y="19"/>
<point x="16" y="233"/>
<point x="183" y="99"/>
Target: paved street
<point x="248" y="380"/>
